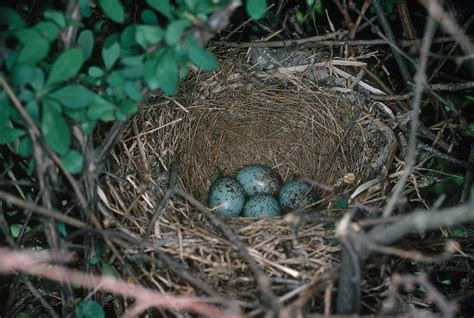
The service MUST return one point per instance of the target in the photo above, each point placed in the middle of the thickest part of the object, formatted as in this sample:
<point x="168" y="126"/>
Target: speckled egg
<point x="295" y="194"/>
<point x="262" y="205"/>
<point x="228" y="196"/>
<point x="258" y="179"/>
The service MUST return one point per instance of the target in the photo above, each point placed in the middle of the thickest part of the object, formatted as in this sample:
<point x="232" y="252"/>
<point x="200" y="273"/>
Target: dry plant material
<point x="219" y="122"/>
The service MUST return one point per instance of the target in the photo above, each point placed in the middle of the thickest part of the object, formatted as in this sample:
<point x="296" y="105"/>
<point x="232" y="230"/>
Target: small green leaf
<point x="191" y="4"/>
<point x="85" y="7"/>
<point x="128" y="107"/>
<point x="110" y="54"/>
<point x="115" y="79"/>
<point x="37" y="82"/>
<point x="66" y="66"/>
<point x="55" y="16"/>
<point x="8" y="134"/>
<point x="86" y="42"/>
<point x="113" y="9"/>
<point x="133" y="91"/>
<point x="98" y="108"/>
<point x="34" y="46"/>
<point x="174" y="31"/>
<point x="167" y="73"/>
<point x="47" y="29"/>
<point x="73" y="161"/>
<point x="108" y="270"/>
<point x="55" y="129"/>
<point x="73" y="96"/>
<point x="5" y="108"/>
<point x="342" y="203"/>
<point x="88" y="127"/>
<point x="61" y="227"/>
<point x="11" y="18"/>
<point x="162" y="6"/>
<point x="25" y="147"/>
<point x="256" y="8"/>
<point x="16" y="228"/>
<point x="200" y="56"/>
<point x="89" y="308"/>
<point x="95" y="71"/>
<point x="148" y="17"/>
<point x="127" y="37"/>
<point x="22" y="74"/>
<point x="148" y="35"/>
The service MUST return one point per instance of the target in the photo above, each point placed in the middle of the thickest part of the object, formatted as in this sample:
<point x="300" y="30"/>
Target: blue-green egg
<point x="258" y="179"/>
<point x="228" y="196"/>
<point x="262" y="205"/>
<point x="295" y="195"/>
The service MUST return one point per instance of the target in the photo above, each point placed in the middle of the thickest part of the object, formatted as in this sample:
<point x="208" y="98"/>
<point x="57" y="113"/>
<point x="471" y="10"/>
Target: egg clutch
<point x="258" y="191"/>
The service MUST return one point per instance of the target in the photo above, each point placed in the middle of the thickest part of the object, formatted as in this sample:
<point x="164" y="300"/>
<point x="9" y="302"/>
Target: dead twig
<point x="144" y="298"/>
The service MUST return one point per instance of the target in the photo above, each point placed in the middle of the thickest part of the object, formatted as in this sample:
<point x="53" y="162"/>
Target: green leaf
<point x="127" y="37"/>
<point x="25" y="147"/>
<point x="162" y="6"/>
<point x="85" y="7"/>
<point x="73" y="161"/>
<point x="175" y="30"/>
<point x="56" y="16"/>
<point x="49" y="30"/>
<point x="115" y="79"/>
<point x="16" y="228"/>
<point x="61" y="227"/>
<point x="34" y="46"/>
<point x="148" y="35"/>
<point x="73" y="96"/>
<point x="256" y="8"/>
<point x="148" y="17"/>
<point x="22" y="74"/>
<point x="89" y="308"/>
<point x="11" y="18"/>
<point x="55" y="129"/>
<point x="98" y="108"/>
<point x="199" y="55"/>
<point x="342" y="203"/>
<point x="167" y="73"/>
<point x="107" y="270"/>
<point x="37" y="82"/>
<point x="128" y="107"/>
<point x="5" y="108"/>
<point x="191" y="4"/>
<point x="66" y="66"/>
<point x="95" y="71"/>
<point x="88" y="127"/>
<point x="110" y="54"/>
<point x="8" y="134"/>
<point x="86" y="42"/>
<point x="133" y="91"/>
<point x="113" y="9"/>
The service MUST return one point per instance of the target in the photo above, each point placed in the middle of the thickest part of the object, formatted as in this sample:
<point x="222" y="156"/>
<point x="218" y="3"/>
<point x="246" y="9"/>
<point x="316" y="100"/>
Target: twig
<point x="144" y="298"/>
<point x="173" y="171"/>
<point x="431" y="293"/>
<point x="262" y="281"/>
<point x="437" y="12"/>
<point x="391" y="37"/>
<point x="420" y="80"/>
<point x="468" y="179"/>
<point x="109" y="141"/>
<point x="467" y="165"/>
<point x="42" y="211"/>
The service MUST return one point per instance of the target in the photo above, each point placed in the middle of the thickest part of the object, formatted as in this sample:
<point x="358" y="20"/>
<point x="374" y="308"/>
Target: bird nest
<point x="217" y="123"/>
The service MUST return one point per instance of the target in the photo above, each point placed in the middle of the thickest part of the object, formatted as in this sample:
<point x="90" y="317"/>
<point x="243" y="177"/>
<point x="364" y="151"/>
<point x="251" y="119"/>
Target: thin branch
<point x="420" y="82"/>
<point x="173" y="171"/>
<point x="11" y="261"/>
<point x="437" y="12"/>
<point x="391" y="37"/>
<point x="42" y="211"/>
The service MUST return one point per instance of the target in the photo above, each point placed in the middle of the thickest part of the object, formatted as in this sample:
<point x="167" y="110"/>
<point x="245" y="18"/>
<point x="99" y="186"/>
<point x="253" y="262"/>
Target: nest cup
<point x="217" y="123"/>
<point x="227" y="121"/>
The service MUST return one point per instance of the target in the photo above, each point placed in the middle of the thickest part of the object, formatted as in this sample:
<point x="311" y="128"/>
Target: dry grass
<point x="218" y="122"/>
